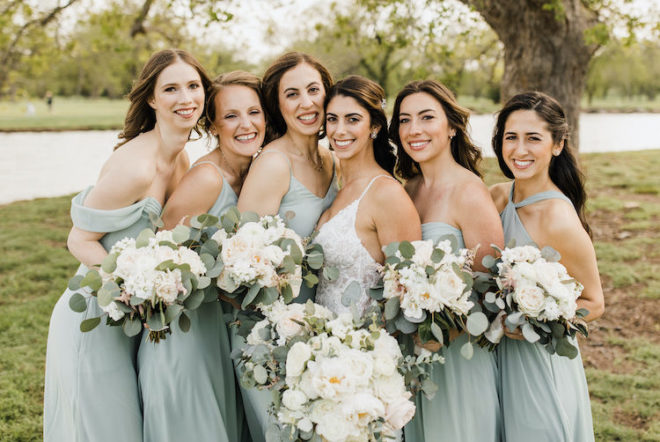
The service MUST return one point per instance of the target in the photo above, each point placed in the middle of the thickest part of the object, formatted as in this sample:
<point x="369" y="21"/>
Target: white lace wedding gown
<point x="344" y="250"/>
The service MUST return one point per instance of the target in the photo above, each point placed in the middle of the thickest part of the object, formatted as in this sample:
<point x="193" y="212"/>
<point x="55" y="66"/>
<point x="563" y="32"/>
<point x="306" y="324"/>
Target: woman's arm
<point x="266" y="184"/>
<point x="196" y="193"/>
<point x="120" y="184"/>
<point x="479" y="221"/>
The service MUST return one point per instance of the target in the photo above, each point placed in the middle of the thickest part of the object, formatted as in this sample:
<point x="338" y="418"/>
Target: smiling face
<point x="527" y="145"/>
<point x="239" y="120"/>
<point x="301" y="96"/>
<point x="178" y="97"/>
<point x="423" y="127"/>
<point x="348" y="126"/>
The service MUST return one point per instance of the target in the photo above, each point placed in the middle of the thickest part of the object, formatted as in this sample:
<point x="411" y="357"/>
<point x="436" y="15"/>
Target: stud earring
<point x="374" y="134"/>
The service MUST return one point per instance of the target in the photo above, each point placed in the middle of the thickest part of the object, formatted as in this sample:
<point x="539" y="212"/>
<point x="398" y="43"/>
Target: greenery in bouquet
<point x="262" y="260"/>
<point x="332" y="378"/>
<point x="427" y="292"/>
<point x="528" y="289"/>
<point x="149" y="281"/>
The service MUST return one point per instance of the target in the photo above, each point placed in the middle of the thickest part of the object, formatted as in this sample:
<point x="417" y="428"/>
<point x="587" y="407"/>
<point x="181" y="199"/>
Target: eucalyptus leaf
<point x="330" y="273"/>
<point x="78" y="303"/>
<point x="376" y="293"/>
<point x="109" y="263"/>
<point x="529" y="333"/>
<point x="352" y="294"/>
<point x="467" y="350"/>
<point x="107" y="293"/>
<point x="437" y="333"/>
<point x="267" y="296"/>
<point x="392" y="307"/>
<point x="490" y="297"/>
<point x="315" y="260"/>
<point x="404" y="325"/>
<point x="581" y="312"/>
<point x="89" y="324"/>
<point x="74" y="283"/>
<point x="558" y="330"/>
<point x="194" y="300"/>
<point x="184" y="322"/>
<point x="311" y="280"/>
<point x="391" y="249"/>
<point x="172" y="312"/>
<point x="437" y="255"/>
<point x="203" y="282"/>
<point x="205" y="220"/>
<point x="287" y="293"/>
<point x="131" y="327"/>
<point x="92" y="280"/>
<point x="296" y="253"/>
<point x="250" y="295"/>
<point x="155" y="322"/>
<point x="565" y="348"/>
<point x="422" y="318"/>
<point x="143" y="238"/>
<point x="249" y="217"/>
<point x="406" y="249"/>
<point x="488" y="261"/>
<point x="477" y="323"/>
<point x="550" y="254"/>
<point x="216" y="270"/>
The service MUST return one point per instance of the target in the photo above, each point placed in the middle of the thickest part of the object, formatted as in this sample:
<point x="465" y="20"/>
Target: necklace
<point x="317" y="163"/>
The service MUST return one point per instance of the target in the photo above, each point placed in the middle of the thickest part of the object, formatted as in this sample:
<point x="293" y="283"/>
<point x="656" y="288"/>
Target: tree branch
<point x="138" y="24"/>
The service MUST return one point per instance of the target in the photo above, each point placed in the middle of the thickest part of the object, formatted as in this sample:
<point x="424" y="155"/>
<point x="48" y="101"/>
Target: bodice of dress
<point x="344" y="250"/>
<point x="117" y="224"/>
<point x="434" y="231"/>
<point x="511" y="223"/>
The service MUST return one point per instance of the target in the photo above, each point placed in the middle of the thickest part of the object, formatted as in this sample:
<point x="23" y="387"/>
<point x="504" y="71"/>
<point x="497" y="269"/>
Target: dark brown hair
<point x="463" y="150"/>
<point x="371" y="97"/>
<point x="140" y="116"/>
<point x="271" y="85"/>
<point x="564" y="170"/>
<point x="234" y="78"/>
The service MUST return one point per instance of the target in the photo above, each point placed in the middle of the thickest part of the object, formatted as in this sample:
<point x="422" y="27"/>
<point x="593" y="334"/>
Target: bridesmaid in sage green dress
<point x="439" y="162"/>
<point x="293" y="176"/>
<point x="544" y="397"/>
<point x="91" y="387"/>
<point x="187" y="381"/>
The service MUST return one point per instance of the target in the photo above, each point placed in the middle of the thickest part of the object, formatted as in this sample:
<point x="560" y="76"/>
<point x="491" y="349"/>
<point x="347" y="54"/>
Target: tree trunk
<point x="544" y="49"/>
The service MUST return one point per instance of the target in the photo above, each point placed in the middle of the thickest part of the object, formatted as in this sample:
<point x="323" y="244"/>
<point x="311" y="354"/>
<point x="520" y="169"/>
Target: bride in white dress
<point x="371" y="209"/>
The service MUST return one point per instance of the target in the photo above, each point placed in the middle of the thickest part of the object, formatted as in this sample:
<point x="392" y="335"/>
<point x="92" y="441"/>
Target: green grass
<point x="68" y="113"/>
<point x="35" y="267"/>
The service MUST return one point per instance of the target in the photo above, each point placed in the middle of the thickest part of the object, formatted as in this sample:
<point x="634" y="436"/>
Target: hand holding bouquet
<point x="535" y="293"/>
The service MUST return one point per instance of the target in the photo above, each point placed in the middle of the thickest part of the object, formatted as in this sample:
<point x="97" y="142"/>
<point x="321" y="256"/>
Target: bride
<point x="360" y="221"/>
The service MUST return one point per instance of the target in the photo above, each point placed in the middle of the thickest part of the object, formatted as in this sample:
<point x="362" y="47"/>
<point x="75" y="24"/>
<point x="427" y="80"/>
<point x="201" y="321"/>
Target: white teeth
<point x="522" y="163"/>
<point x="417" y="144"/>
<point x="307" y="117"/>
<point x="184" y="111"/>
<point x="343" y="143"/>
<point x="246" y="137"/>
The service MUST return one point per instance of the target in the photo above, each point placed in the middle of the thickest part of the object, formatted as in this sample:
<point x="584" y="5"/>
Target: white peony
<point x="296" y="359"/>
<point x="293" y="399"/>
<point x="530" y="299"/>
<point x="399" y="412"/>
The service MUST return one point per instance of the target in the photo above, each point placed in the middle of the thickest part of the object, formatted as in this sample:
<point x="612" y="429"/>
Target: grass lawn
<point x="621" y="356"/>
<point x="68" y="113"/>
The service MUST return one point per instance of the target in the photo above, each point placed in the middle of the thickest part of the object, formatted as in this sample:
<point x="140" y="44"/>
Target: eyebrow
<point x="176" y="84"/>
<point x="418" y="113"/>
<point x="295" y="88"/>
<point x="526" y="133"/>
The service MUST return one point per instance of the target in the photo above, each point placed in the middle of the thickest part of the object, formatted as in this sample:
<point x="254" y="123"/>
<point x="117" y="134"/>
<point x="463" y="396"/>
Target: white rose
<point x="550" y="310"/>
<point x="298" y="355"/>
<point x="187" y="256"/>
<point x="530" y="299"/>
<point x="293" y="399"/>
<point x="524" y="271"/>
<point x="423" y="251"/>
<point x="399" y="412"/>
<point x="219" y="236"/>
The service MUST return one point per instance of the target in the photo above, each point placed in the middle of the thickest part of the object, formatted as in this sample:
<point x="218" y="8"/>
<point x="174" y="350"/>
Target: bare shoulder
<point x="271" y="163"/>
<point x="204" y="175"/>
<point x="561" y="221"/>
<point x="471" y="192"/>
<point x="500" y="194"/>
<point x="389" y="196"/>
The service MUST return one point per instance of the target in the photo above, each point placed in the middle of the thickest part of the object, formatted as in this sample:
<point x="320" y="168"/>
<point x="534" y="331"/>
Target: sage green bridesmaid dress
<point x="544" y="397"/>
<point x="91" y="388"/>
<point x="466" y="406"/>
<point x="306" y="209"/>
<point x="187" y="380"/>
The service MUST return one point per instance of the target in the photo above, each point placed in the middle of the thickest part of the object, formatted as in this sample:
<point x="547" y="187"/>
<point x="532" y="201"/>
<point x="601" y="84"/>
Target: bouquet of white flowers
<point x="427" y="290"/>
<point x="331" y="378"/>
<point x="150" y="280"/>
<point x="535" y="293"/>
<point x="263" y="260"/>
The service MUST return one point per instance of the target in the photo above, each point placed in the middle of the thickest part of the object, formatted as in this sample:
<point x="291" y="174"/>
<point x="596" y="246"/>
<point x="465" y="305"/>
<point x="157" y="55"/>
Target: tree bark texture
<point x="544" y="49"/>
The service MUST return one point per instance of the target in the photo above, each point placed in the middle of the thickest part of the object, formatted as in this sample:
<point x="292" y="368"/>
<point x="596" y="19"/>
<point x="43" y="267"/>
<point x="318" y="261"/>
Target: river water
<point x="45" y="164"/>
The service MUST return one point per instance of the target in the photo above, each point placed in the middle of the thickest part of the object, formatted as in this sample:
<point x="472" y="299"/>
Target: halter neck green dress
<point x="544" y="397"/>
<point x="466" y="406"/>
<point x="306" y="209"/>
<point x="187" y="380"/>
<point x="91" y="388"/>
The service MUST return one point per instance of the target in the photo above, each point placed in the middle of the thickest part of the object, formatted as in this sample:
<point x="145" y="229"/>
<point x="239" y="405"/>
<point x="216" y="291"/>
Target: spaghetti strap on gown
<point x="187" y="380"/>
<point x="91" y="388"/>
<point x="301" y="209"/>
<point x="544" y="397"/>
<point x="466" y="406"/>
